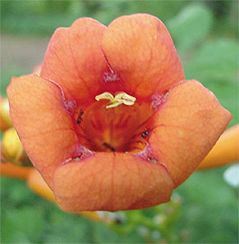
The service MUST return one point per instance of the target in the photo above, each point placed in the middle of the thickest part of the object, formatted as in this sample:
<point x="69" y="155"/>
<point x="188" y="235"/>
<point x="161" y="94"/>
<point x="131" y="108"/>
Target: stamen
<point x="118" y="99"/>
<point x="105" y="96"/>
<point x="125" y="98"/>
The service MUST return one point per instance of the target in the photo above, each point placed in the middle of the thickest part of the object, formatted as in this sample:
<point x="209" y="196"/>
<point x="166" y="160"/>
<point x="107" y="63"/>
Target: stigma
<point x="118" y="99"/>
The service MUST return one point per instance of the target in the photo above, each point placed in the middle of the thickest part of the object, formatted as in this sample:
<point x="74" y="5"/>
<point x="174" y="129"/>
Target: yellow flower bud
<point x="12" y="149"/>
<point x="5" y="120"/>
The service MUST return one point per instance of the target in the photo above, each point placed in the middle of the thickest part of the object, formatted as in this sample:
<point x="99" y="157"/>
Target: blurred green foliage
<point x="206" y="211"/>
<point x="191" y="26"/>
<point x="43" y="16"/>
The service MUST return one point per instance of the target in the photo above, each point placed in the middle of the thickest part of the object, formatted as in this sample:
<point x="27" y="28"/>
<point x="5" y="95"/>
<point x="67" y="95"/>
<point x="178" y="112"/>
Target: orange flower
<point x="110" y="122"/>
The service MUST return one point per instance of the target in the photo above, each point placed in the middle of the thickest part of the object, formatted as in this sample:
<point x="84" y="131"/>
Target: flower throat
<point x="114" y="122"/>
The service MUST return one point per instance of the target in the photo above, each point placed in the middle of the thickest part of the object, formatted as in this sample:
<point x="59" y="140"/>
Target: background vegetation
<point x="204" y="209"/>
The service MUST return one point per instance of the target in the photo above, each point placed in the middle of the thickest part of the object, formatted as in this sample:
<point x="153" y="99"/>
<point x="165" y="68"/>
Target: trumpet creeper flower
<point x="110" y="122"/>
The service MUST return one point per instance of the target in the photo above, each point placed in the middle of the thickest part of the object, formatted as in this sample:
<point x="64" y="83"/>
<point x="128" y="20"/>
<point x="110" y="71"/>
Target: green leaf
<point x="24" y="224"/>
<point x="216" y="61"/>
<point x="14" y="193"/>
<point x="209" y="209"/>
<point x="67" y="228"/>
<point x="190" y="26"/>
<point x="216" y="65"/>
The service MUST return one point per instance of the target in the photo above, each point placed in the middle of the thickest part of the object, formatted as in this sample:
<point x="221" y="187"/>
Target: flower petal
<point x="74" y="59"/>
<point x="187" y="126"/>
<point x="140" y="49"/>
<point x="112" y="182"/>
<point x="41" y="121"/>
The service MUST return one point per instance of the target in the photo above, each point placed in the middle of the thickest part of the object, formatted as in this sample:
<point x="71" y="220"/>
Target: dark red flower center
<point x="119" y="129"/>
<point x="115" y="120"/>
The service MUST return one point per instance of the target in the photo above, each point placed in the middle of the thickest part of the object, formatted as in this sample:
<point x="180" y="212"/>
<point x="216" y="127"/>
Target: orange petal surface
<point x="111" y="182"/>
<point x="140" y="49"/>
<point x="186" y="128"/>
<point x="44" y="127"/>
<point x="37" y="184"/>
<point x="74" y="59"/>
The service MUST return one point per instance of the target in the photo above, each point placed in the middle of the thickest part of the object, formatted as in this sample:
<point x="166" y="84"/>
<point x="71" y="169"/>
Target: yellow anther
<point x="118" y="99"/>
<point x="125" y="98"/>
<point x="104" y="96"/>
